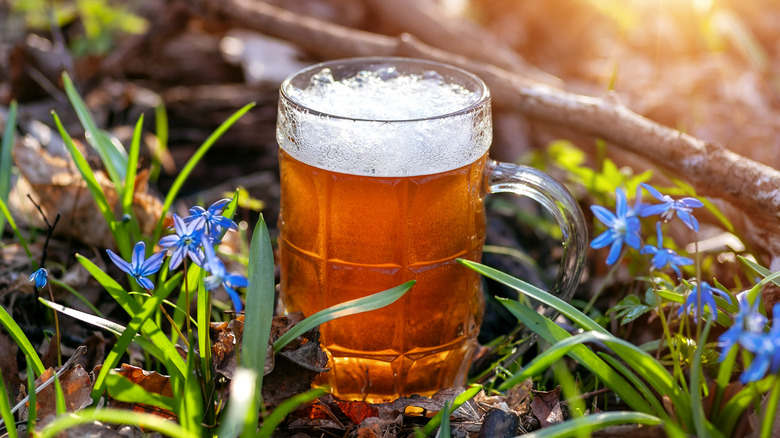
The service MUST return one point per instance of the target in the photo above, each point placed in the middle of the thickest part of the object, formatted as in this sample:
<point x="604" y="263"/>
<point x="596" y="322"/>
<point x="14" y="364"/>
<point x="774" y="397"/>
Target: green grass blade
<point x="704" y="428"/>
<point x="119" y="348"/>
<point x="94" y="189"/>
<point x="537" y="294"/>
<point x="21" y="340"/>
<point x="242" y="394"/>
<point x="161" y="131"/>
<point x="170" y="356"/>
<point x="32" y="406"/>
<point x="204" y="323"/>
<point x="173" y="192"/>
<point x="280" y="413"/>
<point x="19" y="237"/>
<point x="6" y="158"/>
<point x="122" y="389"/>
<point x="191" y="414"/>
<point x="735" y="407"/>
<point x="444" y="429"/>
<point x="132" y="168"/>
<point x="114" y="158"/>
<point x="552" y="333"/>
<point x="590" y="423"/>
<point x="438" y="419"/>
<point x="351" y="307"/>
<point x="146" y="421"/>
<point x="770" y="411"/>
<point x="259" y="311"/>
<point x="638" y="384"/>
<point x="97" y="321"/>
<point x="764" y="272"/>
<point x="60" y="406"/>
<point x="5" y="411"/>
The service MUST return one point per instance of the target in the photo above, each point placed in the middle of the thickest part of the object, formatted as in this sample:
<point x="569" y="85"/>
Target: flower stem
<point x="56" y="326"/>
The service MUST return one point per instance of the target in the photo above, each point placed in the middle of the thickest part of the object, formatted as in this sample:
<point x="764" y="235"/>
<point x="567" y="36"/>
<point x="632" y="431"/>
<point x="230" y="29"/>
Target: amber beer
<point x="383" y="167"/>
<point x="345" y="236"/>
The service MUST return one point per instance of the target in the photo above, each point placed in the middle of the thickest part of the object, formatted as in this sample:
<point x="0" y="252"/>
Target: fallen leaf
<point x="151" y="381"/>
<point x="373" y="427"/>
<point x="546" y="406"/>
<point x="357" y="411"/>
<point x="56" y="185"/>
<point x="76" y="387"/>
<point x="8" y="365"/>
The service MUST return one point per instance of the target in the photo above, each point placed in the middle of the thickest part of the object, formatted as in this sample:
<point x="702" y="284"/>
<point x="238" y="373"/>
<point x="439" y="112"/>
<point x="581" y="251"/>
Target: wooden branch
<point x="713" y="171"/>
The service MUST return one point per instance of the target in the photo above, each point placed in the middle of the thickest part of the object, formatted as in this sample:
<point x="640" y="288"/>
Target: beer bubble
<point x="385" y="120"/>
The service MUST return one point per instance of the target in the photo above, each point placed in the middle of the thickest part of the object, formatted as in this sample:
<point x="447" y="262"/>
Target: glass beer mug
<point x="384" y="167"/>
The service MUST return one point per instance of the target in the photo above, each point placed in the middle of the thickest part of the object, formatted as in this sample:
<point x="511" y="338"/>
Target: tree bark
<point x="751" y="187"/>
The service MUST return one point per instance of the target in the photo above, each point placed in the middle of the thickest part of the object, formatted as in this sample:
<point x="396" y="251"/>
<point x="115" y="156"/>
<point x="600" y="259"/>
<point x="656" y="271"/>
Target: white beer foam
<point x="383" y="123"/>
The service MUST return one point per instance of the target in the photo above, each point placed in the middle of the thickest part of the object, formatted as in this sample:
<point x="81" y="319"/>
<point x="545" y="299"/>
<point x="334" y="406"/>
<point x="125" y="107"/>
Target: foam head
<point x="384" y="117"/>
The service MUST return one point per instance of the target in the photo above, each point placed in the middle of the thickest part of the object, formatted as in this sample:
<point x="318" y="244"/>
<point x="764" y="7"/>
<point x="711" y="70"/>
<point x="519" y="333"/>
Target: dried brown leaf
<point x="76" y="387"/>
<point x="546" y="406"/>
<point x="56" y="185"/>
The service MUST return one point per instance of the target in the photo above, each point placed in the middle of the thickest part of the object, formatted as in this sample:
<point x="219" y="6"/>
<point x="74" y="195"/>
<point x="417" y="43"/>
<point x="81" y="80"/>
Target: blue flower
<point x="140" y="267"/>
<point x="765" y="347"/>
<point x="186" y="242"/>
<point x="622" y="227"/>
<point x="747" y="321"/>
<point x="211" y="220"/>
<point x="41" y="277"/>
<point x="219" y="276"/>
<point x="694" y="305"/>
<point x="663" y="257"/>
<point x="668" y="207"/>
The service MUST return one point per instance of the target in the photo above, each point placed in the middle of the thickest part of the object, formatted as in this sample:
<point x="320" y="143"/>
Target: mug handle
<point x="537" y="185"/>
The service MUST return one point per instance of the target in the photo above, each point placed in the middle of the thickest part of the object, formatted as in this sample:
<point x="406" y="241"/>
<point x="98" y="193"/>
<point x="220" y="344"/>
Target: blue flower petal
<point x="121" y="263"/>
<point x="614" y="251"/>
<point x="621" y="204"/>
<point x="688" y="220"/>
<point x="145" y="283"/>
<point x="633" y="241"/>
<point x="603" y="240"/>
<point x="153" y="263"/>
<point x="236" y="299"/>
<point x="655" y="209"/>
<point x="691" y="202"/>
<point x="139" y="253"/>
<point x="603" y="215"/>
<point x="654" y="192"/>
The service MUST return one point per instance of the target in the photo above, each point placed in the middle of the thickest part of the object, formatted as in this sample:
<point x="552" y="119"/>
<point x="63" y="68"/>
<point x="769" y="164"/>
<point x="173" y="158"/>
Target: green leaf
<point x="593" y="422"/>
<point x="192" y="401"/>
<point x="351" y="307"/>
<point x="552" y="333"/>
<point x="94" y="188"/>
<point x="5" y="411"/>
<point x="444" y="429"/>
<point x="32" y="406"/>
<point x="280" y="413"/>
<point x="21" y="340"/>
<point x="259" y="310"/>
<point x="173" y="192"/>
<point x="629" y="309"/>
<point x="6" y="158"/>
<point x="171" y="358"/>
<point x="150" y="422"/>
<point x="762" y="271"/>
<point x="738" y="403"/>
<point x="132" y="168"/>
<point x="110" y="326"/>
<point x="59" y="396"/>
<point x="129" y="333"/>
<point x="122" y="389"/>
<point x="242" y="395"/>
<point x="534" y="292"/>
<point x="114" y="157"/>
<point x="19" y="236"/>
